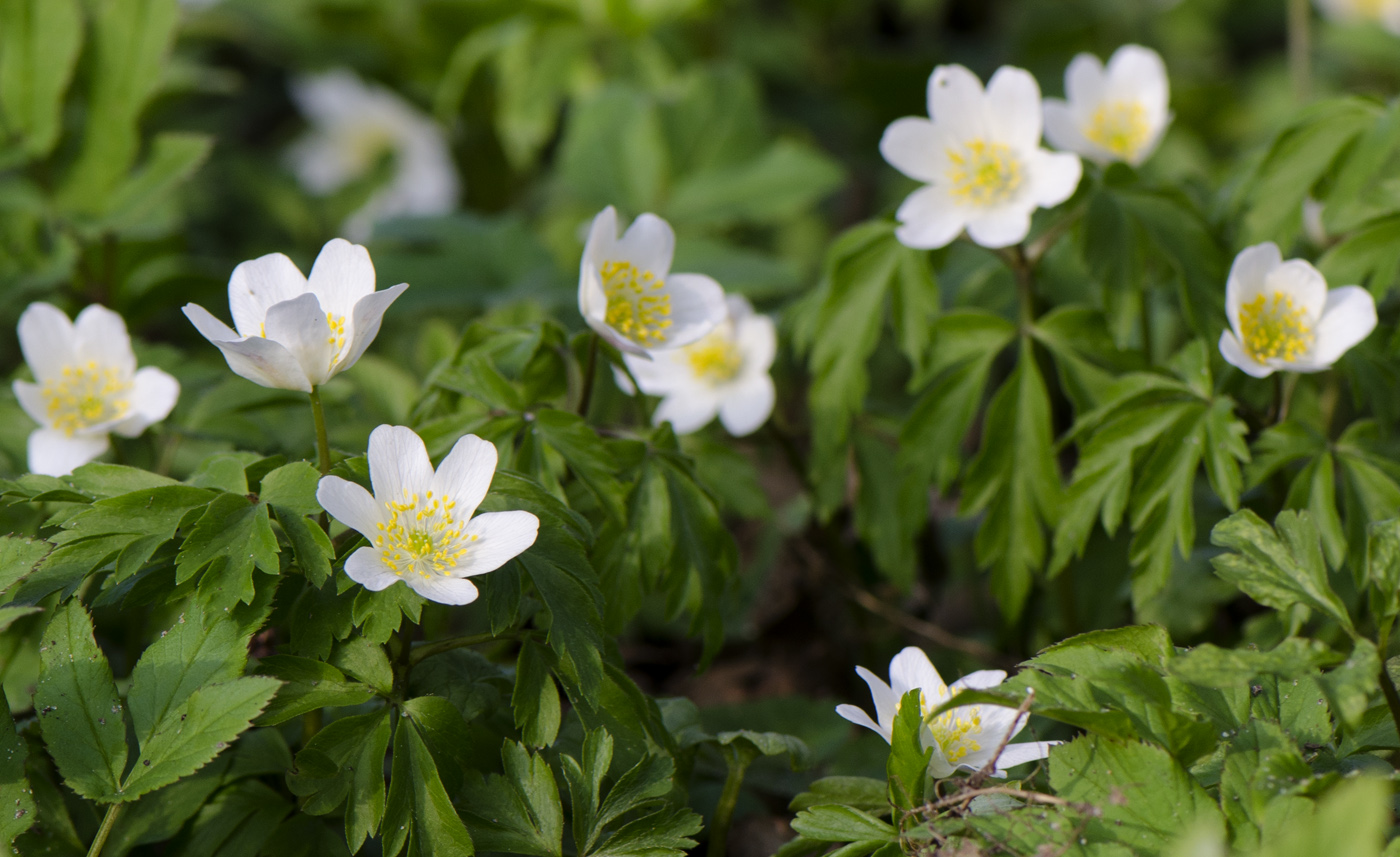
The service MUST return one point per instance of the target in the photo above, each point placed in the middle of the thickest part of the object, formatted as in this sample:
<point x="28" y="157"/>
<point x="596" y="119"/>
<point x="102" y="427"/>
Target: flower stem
<point x="318" y="415"/>
<point x="728" y="798"/>
<point x="108" y="822"/>
<point x="1300" y="48"/>
<point x="585" y="397"/>
<point x="422" y="653"/>
<point x="1145" y="318"/>
<point x="1025" y="284"/>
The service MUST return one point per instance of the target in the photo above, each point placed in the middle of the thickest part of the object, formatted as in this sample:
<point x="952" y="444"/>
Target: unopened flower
<point x="1117" y="113"/>
<point x="1282" y="317"/>
<point x="86" y="386"/>
<point x="629" y="296"/>
<point x="295" y="333"/>
<point x="353" y="125"/>
<point x="963" y="737"/>
<point x="981" y="159"/>
<point x="1383" y="12"/>
<point x="724" y="373"/>
<point x="420" y="524"/>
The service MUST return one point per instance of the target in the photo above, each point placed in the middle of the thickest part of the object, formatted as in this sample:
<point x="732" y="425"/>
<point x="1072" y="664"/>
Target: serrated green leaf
<point x="586" y="455"/>
<point x="344" y="763"/>
<point x="39" y="43"/>
<point x="535" y="700"/>
<point x="419" y="812"/>
<point x="1349" y="687"/>
<point x="834" y="823"/>
<point x="18" y="556"/>
<point x="1211" y="666"/>
<point x="293" y="487"/>
<point x="307" y="685"/>
<point x="906" y="769"/>
<point x="366" y="662"/>
<point x="231" y="538"/>
<point x="863" y="793"/>
<point x="16" y="799"/>
<point x="1277" y="569"/>
<point x="519" y="811"/>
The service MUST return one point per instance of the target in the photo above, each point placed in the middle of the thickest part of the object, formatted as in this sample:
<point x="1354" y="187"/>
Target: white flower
<point x="353" y="125"/>
<point x="1384" y="12"/>
<point x="419" y="523"/>
<point x="627" y="293"/>
<point x="964" y="737"/>
<point x="981" y="158"/>
<point x="296" y="333"/>
<point x="1282" y="317"/>
<point x="1114" y="114"/>
<point x="86" y="386"/>
<point x="724" y="373"/>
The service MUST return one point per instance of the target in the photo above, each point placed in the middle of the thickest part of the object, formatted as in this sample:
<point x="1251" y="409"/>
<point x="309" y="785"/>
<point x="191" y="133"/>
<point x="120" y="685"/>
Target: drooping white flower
<point x="1282" y="317"/>
<point x="86" y="386"/>
<point x="353" y="125"/>
<point x="725" y="373"/>
<point x="964" y="737"/>
<point x="420" y="524"/>
<point x="1383" y="12"/>
<point x="981" y="159"/>
<point x="627" y="293"/>
<point x="1117" y="113"/>
<point x="294" y="333"/>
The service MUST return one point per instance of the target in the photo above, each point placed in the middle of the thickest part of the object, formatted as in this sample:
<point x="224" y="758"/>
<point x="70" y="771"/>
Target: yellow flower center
<point x="715" y="358"/>
<point x="422" y="535"/>
<point x="1369" y="8"/>
<point x="86" y="395"/>
<point x="984" y="173"/>
<point x="635" y="310"/>
<point x="1273" y="328"/>
<point x="1120" y="127"/>
<point x="337" y="340"/>
<point x="957" y="732"/>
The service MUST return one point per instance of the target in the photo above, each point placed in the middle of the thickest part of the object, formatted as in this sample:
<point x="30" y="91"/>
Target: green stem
<point x="586" y="396"/>
<point x="318" y="415"/>
<point x="422" y="653"/>
<point x="108" y="822"/>
<point x="1331" y="393"/>
<point x="724" y="810"/>
<point x="1285" y="396"/>
<point x="1025" y="285"/>
<point x="1145" y="318"/>
<point x="1300" y="48"/>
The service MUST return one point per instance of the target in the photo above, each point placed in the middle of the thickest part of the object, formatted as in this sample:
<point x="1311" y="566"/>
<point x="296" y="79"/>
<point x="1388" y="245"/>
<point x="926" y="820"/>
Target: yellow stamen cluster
<point x="422" y="535"/>
<point x="1120" y="127"/>
<point x="716" y="358"/>
<point x="1273" y="328"/>
<point x="957" y="732"/>
<point x="86" y="395"/>
<point x="635" y="308"/>
<point x="337" y="340"/>
<point x="984" y="173"/>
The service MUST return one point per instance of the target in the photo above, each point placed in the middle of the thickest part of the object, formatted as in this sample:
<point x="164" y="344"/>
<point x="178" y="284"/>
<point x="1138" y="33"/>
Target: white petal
<point x="351" y="505"/>
<point x="465" y="474"/>
<point x="1236" y="356"/>
<point x="364" y="325"/>
<point x="981" y="680"/>
<point x="261" y="361"/>
<point x="299" y="325"/>
<point x="500" y="537"/>
<point x="697" y="305"/>
<point x="1054" y="177"/>
<point x="47" y="339"/>
<point x="341" y="276"/>
<point x="31" y="399"/>
<point x="1000" y="227"/>
<point x="101" y="337"/>
<point x="687" y="410"/>
<point x="884" y="697"/>
<point x="911" y="668"/>
<point x="1247" y="274"/>
<point x="860" y="718"/>
<point x="938" y="765"/>
<point x="916" y="148"/>
<point x="955" y="101"/>
<point x="444" y="590"/>
<point x="1013" y="107"/>
<point x="649" y="244"/>
<point x="153" y="397"/>
<point x="747" y="405"/>
<point x="54" y="453"/>
<point x="366" y="568"/>
<point x="1084" y="81"/>
<point x="602" y="239"/>
<point x="1301" y="282"/>
<point x="398" y="463"/>
<point x="757" y="338"/>
<point x="1347" y="319"/>
<point x="259" y="284"/>
<point x="1020" y="754"/>
<point x="1138" y="73"/>
<point x="929" y="219"/>
<point x="620" y="377"/>
<point x="1062" y="131"/>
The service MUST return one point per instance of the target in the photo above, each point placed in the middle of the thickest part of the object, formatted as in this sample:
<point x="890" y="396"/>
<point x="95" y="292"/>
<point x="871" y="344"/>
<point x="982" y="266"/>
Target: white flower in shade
<point x="1282" y="317"/>
<point x="295" y="333"/>
<point x="724" y="373"/>
<point x="964" y="737"/>
<point x="420" y="523"/>
<point x="1118" y="113"/>
<point x="353" y="125"/>
<point x="86" y="386"/>
<point x="1383" y="12"/>
<point x="981" y="159"/>
<point x="627" y="293"/>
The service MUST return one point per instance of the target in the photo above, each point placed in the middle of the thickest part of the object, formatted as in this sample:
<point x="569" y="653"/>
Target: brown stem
<point x="927" y="630"/>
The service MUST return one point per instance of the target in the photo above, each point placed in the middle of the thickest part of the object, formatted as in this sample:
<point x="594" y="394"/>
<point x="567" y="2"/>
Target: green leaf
<point x="640" y="793"/>
<point x="613" y="150"/>
<point x="863" y="793"/>
<point x="39" y="42"/>
<point x="79" y="711"/>
<point x="159" y="815"/>
<point x="418" y="806"/>
<point x="239" y="820"/>
<point x="891" y="508"/>
<point x="907" y="766"/>
<point x="365" y="662"/>
<point x="18" y="556"/>
<point x="842" y="824"/>
<point x="1350" y="686"/>
<point x="519" y="811"/>
<point x="292" y="487"/>
<point x="16" y="799"/>
<point x="749" y="745"/>
<point x="1211" y="666"/>
<point x="586" y="455"/>
<point x="174" y="158"/>
<point x="782" y="182"/>
<point x="1383" y="569"/>
<point x="536" y="698"/>
<point x="311" y="547"/>
<point x="307" y="685"/>
<point x="197" y="731"/>
<point x="344" y="763"/>
<point x="231" y="538"/>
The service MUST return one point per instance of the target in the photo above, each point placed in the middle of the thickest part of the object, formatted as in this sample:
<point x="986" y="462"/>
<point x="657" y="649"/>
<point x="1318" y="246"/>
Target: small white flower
<point x="964" y="737"/>
<point x="353" y="125"/>
<point x="627" y="293"/>
<point x="1282" y="317"/>
<point x="295" y="333"/>
<point x="420" y="523"/>
<point x="1114" y="114"/>
<point x="1313" y="227"/>
<point x="1384" y="12"/>
<point x="981" y="159"/>
<point x="724" y="373"/>
<point x="86" y="386"/>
